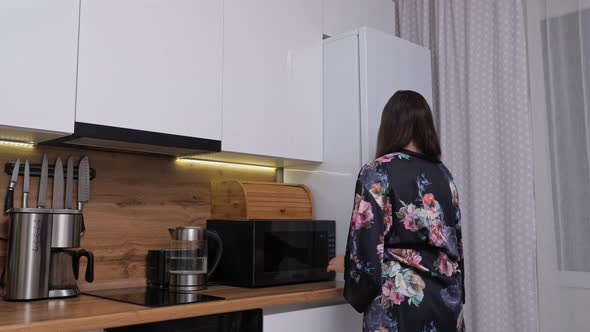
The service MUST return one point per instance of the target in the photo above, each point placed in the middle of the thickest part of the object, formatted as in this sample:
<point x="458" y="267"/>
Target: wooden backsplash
<point x="134" y="199"/>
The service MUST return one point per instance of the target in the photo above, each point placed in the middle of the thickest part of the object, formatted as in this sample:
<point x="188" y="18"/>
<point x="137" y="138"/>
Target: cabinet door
<point x="334" y="318"/>
<point x="272" y="78"/>
<point x="151" y="65"/>
<point x="39" y="40"/>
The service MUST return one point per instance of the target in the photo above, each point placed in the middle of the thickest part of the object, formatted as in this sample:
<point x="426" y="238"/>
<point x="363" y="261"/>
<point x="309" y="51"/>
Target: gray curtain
<point x="566" y="55"/>
<point x="482" y="111"/>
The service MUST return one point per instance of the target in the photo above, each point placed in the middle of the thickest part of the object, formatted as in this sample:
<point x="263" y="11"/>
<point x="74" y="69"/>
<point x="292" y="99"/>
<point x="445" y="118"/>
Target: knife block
<point x="68" y="228"/>
<point x="33" y="235"/>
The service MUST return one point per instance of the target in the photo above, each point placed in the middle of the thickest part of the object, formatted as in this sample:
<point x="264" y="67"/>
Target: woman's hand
<point x="336" y="264"/>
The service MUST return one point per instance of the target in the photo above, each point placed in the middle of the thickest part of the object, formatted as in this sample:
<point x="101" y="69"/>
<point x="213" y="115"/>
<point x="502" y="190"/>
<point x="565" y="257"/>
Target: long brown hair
<point x="407" y="118"/>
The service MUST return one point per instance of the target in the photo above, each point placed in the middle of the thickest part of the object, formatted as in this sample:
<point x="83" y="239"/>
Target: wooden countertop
<point x="89" y="312"/>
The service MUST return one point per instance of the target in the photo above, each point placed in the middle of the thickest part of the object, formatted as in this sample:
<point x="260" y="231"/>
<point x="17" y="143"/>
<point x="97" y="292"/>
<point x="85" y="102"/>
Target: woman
<point x="404" y="260"/>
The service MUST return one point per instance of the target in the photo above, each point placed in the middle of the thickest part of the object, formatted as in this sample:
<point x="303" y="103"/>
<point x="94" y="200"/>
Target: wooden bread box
<point x="239" y="200"/>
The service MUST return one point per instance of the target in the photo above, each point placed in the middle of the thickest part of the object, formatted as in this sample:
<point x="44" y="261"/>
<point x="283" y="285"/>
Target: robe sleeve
<point x="364" y="250"/>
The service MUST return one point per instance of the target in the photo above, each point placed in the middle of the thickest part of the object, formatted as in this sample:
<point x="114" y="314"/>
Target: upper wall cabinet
<point x="38" y="45"/>
<point x="272" y="78"/>
<point x="346" y="15"/>
<point x="152" y="65"/>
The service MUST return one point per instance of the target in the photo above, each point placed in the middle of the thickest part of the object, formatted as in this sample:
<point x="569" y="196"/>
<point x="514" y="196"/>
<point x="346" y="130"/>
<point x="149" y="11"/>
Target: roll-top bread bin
<point x="239" y="200"/>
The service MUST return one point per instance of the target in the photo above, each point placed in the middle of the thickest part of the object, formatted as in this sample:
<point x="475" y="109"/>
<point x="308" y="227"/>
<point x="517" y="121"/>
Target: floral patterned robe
<point x="404" y="258"/>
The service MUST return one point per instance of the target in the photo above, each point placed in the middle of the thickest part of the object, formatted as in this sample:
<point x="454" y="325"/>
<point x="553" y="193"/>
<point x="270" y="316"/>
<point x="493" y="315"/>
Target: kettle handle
<point x="89" y="276"/>
<point x="217" y="238"/>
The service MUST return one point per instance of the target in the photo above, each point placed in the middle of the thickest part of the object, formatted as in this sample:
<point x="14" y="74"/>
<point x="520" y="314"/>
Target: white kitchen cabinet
<point x="346" y="15"/>
<point x="272" y="78"/>
<point x="153" y="65"/>
<point x="38" y="52"/>
<point x="335" y="318"/>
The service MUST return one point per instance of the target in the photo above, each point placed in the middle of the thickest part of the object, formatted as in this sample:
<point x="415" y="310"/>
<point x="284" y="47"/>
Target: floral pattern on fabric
<point x="401" y="284"/>
<point x="425" y="219"/>
<point x="403" y="263"/>
<point x="376" y="319"/>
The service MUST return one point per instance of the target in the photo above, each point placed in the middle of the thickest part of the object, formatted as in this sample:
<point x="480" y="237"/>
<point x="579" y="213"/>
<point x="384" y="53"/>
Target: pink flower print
<point x="362" y="216"/>
<point x="380" y="248"/>
<point x="396" y="297"/>
<point x="389" y="293"/>
<point x="409" y="257"/>
<point x="387" y="208"/>
<point x="445" y="265"/>
<point x="408" y="214"/>
<point x="430" y="206"/>
<point x="385" y="159"/>
<point x="428" y="200"/>
<point x="411" y="209"/>
<point x="387" y="214"/>
<point x="409" y="224"/>
<point x="437" y="236"/>
<point x="387" y="288"/>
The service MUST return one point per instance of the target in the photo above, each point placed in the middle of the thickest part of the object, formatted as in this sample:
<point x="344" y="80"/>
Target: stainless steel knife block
<point x="32" y="233"/>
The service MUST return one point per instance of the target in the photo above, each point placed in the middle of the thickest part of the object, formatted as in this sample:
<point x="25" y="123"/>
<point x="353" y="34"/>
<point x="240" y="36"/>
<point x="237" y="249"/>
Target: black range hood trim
<point x="134" y="136"/>
<point x="82" y="129"/>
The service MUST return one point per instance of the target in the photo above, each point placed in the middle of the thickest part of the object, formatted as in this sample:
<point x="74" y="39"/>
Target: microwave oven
<point x="259" y="253"/>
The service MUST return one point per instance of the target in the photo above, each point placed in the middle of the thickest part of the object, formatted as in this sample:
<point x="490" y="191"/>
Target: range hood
<point x="138" y="141"/>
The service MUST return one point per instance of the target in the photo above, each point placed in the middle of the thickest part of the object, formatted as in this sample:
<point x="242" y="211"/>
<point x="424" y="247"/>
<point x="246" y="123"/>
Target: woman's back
<point x="404" y="254"/>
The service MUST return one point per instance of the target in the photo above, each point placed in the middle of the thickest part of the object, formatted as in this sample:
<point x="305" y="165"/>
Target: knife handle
<point x="25" y="200"/>
<point x="9" y="200"/>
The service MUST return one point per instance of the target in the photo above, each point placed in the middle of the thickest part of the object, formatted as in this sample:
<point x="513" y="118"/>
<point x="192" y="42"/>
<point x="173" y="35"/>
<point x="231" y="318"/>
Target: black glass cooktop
<point x="151" y="297"/>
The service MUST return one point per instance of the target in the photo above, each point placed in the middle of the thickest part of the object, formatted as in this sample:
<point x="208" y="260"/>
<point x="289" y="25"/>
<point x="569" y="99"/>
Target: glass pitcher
<point x="187" y="258"/>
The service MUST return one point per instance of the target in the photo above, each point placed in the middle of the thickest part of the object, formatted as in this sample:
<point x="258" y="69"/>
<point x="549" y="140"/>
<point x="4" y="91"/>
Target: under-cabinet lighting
<point x="17" y="143"/>
<point x="225" y="164"/>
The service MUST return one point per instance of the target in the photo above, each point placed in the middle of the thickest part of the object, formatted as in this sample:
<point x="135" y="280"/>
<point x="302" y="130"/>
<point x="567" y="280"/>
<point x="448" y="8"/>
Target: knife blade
<point x="70" y="184"/>
<point x="58" y="185"/>
<point x="26" y="185"/>
<point x="41" y="201"/>
<point x="83" y="182"/>
<point x="9" y="200"/>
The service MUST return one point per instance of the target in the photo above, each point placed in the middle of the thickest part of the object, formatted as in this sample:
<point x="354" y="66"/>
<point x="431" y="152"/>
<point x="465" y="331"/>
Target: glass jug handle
<point x="215" y="236"/>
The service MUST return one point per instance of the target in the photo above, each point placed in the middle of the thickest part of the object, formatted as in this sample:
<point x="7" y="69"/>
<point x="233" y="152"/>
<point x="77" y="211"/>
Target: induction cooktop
<point x="151" y="297"/>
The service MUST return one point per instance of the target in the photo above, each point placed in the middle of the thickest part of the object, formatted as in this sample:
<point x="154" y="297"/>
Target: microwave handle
<point x="217" y="238"/>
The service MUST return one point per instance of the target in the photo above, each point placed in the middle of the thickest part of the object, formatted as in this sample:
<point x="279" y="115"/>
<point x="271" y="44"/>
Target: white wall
<point x="560" y="7"/>
<point x="345" y="15"/>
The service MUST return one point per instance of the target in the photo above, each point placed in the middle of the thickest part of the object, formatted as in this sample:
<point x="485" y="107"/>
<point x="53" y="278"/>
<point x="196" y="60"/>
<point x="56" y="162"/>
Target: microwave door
<point x="289" y="252"/>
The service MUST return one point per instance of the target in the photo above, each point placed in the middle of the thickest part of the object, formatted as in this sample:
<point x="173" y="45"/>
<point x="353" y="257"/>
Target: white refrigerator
<point x="362" y="70"/>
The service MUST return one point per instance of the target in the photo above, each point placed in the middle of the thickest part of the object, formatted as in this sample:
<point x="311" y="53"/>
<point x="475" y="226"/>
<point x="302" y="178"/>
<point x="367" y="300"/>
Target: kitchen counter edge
<point x="88" y="312"/>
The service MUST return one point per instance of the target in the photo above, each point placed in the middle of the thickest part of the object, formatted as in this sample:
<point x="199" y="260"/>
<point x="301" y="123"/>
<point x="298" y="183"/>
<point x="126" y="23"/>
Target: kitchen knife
<point x="70" y="184"/>
<point x="9" y="201"/>
<point x="41" y="201"/>
<point x="26" y="185"/>
<point x="58" y="185"/>
<point x="83" y="182"/>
